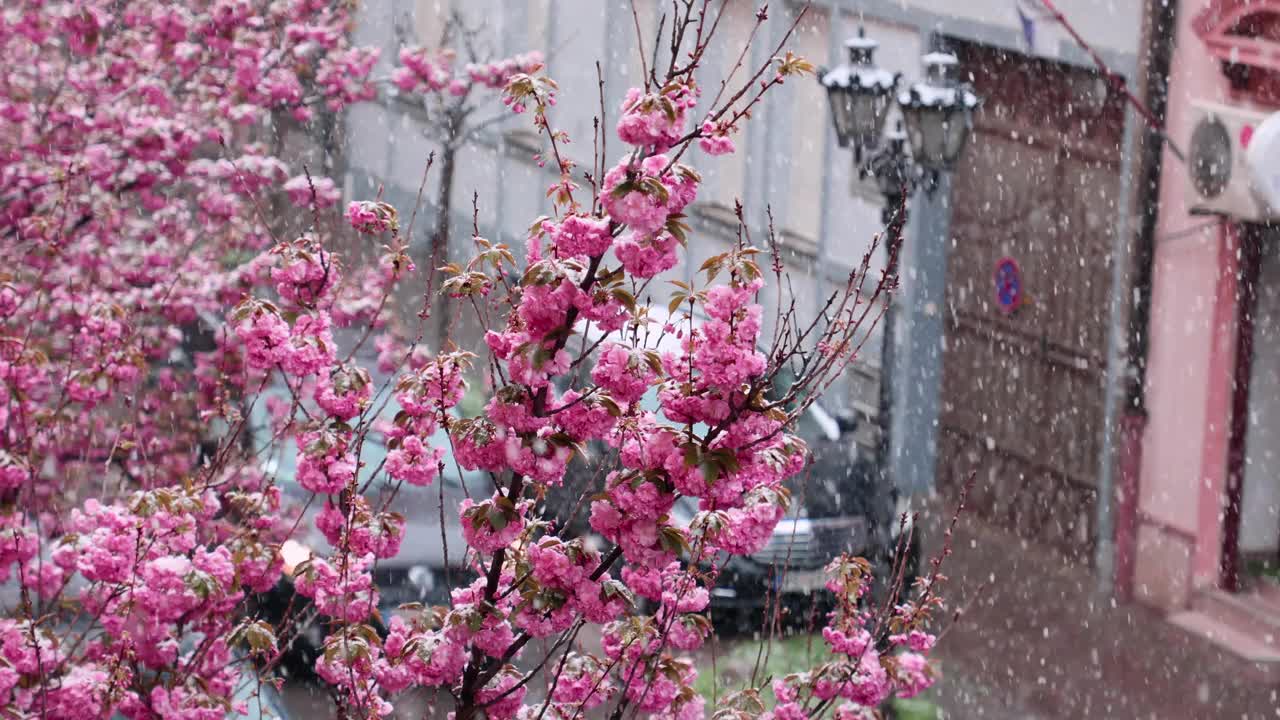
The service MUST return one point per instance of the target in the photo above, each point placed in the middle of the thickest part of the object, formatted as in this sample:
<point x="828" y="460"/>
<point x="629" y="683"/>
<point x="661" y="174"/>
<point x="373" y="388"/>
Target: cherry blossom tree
<point x="149" y="308"/>
<point x="451" y="84"/>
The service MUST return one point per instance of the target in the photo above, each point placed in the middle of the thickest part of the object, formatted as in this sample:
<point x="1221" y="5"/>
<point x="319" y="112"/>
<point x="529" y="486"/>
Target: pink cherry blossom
<point x="203" y="355"/>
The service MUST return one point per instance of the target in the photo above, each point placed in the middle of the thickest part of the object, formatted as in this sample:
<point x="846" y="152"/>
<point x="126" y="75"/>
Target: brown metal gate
<point x="1022" y="392"/>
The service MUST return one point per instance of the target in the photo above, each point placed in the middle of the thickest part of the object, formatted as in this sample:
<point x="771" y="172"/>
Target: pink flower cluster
<point x="432" y="660"/>
<point x="306" y="273"/>
<point x="859" y="676"/>
<point x="563" y="589"/>
<point x="423" y="70"/>
<point x="152" y="569"/>
<point x="368" y="532"/>
<point x="655" y="681"/>
<point x="490" y="525"/>
<point x="299" y="189"/>
<point x="715" y="139"/>
<point x="343" y="392"/>
<point x="343" y="76"/>
<point x="632" y="515"/>
<point x="645" y="195"/>
<point x="341" y="589"/>
<point x="646" y="256"/>
<point x="580" y="236"/>
<point x="326" y="463"/>
<point x="372" y="218"/>
<point x="623" y="372"/>
<point x="656" y="120"/>
<point x="266" y="336"/>
<point x="414" y="462"/>
<point x="437" y="385"/>
<point x="585" y="683"/>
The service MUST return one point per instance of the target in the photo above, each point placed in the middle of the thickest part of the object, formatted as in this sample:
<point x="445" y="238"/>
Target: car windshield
<point x="814" y="425"/>
<point x="280" y="456"/>
<point x="819" y="431"/>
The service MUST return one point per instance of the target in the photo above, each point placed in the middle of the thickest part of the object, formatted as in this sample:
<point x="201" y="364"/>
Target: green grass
<point x="913" y="709"/>
<point x="733" y="665"/>
<point x="790" y="654"/>
<point x="1258" y="567"/>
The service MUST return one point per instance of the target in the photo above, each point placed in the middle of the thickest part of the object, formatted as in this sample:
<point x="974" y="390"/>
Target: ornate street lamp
<point x="938" y="117"/>
<point x="939" y="113"/>
<point x="894" y="173"/>
<point x="860" y="94"/>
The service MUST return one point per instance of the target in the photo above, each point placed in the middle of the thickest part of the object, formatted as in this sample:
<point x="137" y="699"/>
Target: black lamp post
<point x="938" y="116"/>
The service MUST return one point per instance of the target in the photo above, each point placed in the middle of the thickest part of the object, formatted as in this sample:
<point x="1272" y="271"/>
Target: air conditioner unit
<point x="1217" y="165"/>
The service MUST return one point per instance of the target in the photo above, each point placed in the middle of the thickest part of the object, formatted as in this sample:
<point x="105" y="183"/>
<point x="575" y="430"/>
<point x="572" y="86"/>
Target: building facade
<point x="786" y="163"/>
<point x="1205" y="525"/>
<point x="1043" y="186"/>
<point x="1020" y="393"/>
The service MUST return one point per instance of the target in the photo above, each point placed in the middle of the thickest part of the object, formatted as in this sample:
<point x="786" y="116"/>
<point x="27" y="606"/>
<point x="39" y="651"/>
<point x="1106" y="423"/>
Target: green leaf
<point x="668" y="108"/>
<point x="673" y="540"/>
<point x="654" y="361"/>
<point x="614" y="409"/>
<point x="625" y="298"/>
<point x="541" y="356"/>
<point x="622" y="188"/>
<point x="496" y="518"/>
<point x="692" y="454"/>
<point x="614" y="588"/>
<point x="726" y="459"/>
<point x="710" y="471"/>
<point x="653" y="186"/>
<point x="260" y="636"/>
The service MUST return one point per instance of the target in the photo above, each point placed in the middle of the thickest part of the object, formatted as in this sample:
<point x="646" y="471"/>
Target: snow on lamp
<point x="939" y="113"/>
<point x="860" y="94"/>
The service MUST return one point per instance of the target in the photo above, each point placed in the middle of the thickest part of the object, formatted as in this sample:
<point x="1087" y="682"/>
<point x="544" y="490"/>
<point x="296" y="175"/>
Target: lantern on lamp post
<point x="936" y="121"/>
<point x="939" y="114"/>
<point x="860" y="94"/>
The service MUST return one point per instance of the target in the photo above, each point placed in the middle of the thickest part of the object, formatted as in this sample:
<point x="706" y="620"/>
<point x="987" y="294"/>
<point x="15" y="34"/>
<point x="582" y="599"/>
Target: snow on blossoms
<point x="715" y="377"/>
<point x="579" y="236"/>
<point x="372" y="218"/>
<point x="134" y="144"/>
<point x="423" y="70"/>
<point x="645" y="195"/>
<point x="656" y="120"/>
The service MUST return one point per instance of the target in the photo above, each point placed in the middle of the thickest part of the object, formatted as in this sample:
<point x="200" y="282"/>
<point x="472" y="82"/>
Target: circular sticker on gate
<point x="1008" y="279"/>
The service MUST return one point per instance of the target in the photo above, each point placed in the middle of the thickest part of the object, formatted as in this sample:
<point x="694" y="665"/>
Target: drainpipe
<point x="1249" y="248"/>
<point x="1122" y="247"/>
<point x="1118" y="505"/>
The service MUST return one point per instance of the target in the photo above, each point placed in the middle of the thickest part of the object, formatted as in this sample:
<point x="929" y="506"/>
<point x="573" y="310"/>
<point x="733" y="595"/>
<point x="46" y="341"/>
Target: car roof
<point x="662" y="342"/>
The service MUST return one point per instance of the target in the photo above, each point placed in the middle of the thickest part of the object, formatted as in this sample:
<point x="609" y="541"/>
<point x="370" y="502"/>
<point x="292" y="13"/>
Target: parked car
<point x="420" y="572"/>
<point x="841" y="504"/>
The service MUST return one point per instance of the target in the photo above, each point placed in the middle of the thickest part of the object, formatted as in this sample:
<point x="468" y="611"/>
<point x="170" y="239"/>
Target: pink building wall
<point x="1190" y="360"/>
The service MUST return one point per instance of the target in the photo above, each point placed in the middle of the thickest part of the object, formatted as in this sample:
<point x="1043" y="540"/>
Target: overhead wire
<point x="1116" y="79"/>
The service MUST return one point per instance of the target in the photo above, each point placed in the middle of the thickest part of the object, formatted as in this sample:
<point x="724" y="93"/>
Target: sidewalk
<point x="1037" y="644"/>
